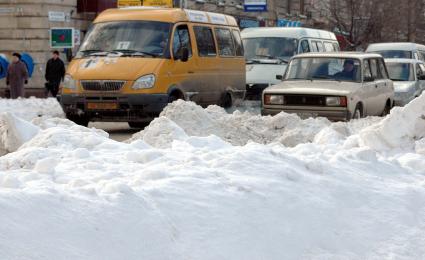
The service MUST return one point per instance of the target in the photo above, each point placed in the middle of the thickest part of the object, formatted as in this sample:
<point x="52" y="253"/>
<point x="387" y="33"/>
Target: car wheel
<point x="139" y="125"/>
<point x="387" y="110"/>
<point x="358" y="112"/>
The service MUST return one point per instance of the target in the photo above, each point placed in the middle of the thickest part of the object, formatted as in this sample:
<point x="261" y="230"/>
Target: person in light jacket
<point x="17" y="76"/>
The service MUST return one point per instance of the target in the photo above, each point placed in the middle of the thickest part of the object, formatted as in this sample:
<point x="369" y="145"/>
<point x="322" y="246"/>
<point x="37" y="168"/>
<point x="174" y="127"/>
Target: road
<point x="118" y="131"/>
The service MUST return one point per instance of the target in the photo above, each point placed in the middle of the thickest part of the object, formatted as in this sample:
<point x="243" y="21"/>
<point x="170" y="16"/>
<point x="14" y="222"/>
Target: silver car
<point x="339" y="86"/>
<point x="408" y="76"/>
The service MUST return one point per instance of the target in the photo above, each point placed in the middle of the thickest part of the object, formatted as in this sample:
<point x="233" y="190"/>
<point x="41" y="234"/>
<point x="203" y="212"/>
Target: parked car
<point x="409" y="79"/>
<point x="134" y="61"/>
<point x="339" y="86"/>
<point x="400" y="50"/>
<point x="268" y="50"/>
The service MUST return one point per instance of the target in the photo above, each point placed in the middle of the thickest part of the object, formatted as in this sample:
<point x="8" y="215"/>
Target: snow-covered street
<point x="205" y="184"/>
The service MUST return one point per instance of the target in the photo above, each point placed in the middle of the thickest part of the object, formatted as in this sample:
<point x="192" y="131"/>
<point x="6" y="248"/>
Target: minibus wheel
<point x="139" y="125"/>
<point x="227" y="100"/>
<point x="175" y="95"/>
<point x="79" y="120"/>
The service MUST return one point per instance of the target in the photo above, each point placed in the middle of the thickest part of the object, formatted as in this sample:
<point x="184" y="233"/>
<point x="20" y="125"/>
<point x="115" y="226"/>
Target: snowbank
<point x="30" y="108"/>
<point x="203" y="184"/>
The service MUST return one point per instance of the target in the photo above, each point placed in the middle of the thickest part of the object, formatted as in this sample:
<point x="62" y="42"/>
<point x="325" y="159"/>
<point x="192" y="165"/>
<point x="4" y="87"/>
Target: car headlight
<point x="336" y="101"/>
<point x="69" y="82"/>
<point x="147" y="81"/>
<point x="270" y="99"/>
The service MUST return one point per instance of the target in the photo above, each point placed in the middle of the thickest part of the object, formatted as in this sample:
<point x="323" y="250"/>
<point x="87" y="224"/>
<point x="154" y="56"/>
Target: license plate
<point x="102" y="106"/>
<point x="305" y="115"/>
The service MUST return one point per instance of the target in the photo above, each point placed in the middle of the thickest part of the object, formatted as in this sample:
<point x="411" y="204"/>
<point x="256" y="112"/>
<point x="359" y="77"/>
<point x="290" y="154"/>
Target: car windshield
<point x="401" y="71"/>
<point x="340" y="69"/>
<point x="277" y="48"/>
<point x="388" y="54"/>
<point x="142" y="37"/>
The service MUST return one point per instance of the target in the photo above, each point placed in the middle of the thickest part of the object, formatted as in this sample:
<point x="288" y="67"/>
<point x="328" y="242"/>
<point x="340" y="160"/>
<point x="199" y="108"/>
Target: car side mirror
<point x="279" y="77"/>
<point x="368" y="79"/>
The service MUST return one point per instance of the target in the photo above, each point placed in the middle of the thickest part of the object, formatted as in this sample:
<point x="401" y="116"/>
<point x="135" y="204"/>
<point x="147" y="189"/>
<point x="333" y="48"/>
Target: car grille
<point x="304" y="100"/>
<point x="102" y="85"/>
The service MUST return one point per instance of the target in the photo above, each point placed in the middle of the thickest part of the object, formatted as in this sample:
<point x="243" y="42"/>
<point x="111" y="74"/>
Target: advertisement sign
<point x="56" y="16"/>
<point x="164" y="3"/>
<point x="62" y="37"/>
<point x="125" y="3"/>
<point x="255" y="5"/>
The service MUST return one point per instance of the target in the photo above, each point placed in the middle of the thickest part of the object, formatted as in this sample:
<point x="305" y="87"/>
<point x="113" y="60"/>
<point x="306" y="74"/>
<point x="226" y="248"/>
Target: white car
<point x="408" y="76"/>
<point x="339" y="86"/>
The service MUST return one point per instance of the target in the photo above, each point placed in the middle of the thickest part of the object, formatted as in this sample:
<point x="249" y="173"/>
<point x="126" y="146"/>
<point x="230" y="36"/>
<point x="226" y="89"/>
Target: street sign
<point x="62" y="38"/>
<point x="165" y="3"/>
<point x="125" y="3"/>
<point x="56" y="16"/>
<point x="255" y="5"/>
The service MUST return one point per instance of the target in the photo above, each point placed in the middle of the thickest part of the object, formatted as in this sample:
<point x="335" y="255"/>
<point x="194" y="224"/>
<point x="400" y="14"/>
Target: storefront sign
<point x="288" y="23"/>
<point x="124" y="3"/>
<point x="255" y="5"/>
<point x="56" y="16"/>
<point x="62" y="37"/>
<point x="165" y="3"/>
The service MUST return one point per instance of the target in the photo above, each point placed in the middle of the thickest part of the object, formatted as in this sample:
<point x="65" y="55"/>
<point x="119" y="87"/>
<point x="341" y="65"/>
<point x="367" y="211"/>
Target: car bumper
<point x="333" y="115"/>
<point x="140" y="107"/>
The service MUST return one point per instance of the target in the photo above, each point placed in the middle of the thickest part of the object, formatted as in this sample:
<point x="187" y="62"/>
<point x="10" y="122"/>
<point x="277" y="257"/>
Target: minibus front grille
<point x="102" y="85"/>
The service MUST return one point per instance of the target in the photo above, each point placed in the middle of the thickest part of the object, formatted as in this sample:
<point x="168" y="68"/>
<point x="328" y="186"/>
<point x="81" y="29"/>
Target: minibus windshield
<point x="395" y="54"/>
<point x="132" y="38"/>
<point x="400" y="71"/>
<point x="274" y="48"/>
<point x="339" y="69"/>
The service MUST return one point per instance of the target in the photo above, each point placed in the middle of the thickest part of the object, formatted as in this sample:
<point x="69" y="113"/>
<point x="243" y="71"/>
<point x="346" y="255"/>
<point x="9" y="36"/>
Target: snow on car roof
<point x="403" y="46"/>
<point x="290" y="32"/>
<point x="356" y="55"/>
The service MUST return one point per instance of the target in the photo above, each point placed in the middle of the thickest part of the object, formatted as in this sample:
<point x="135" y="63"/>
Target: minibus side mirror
<point x="184" y="55"/>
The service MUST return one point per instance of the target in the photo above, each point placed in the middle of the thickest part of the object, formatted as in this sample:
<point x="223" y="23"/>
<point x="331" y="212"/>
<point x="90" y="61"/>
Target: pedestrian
<point x="17" y="76"/>
<point x="55" y="73"/>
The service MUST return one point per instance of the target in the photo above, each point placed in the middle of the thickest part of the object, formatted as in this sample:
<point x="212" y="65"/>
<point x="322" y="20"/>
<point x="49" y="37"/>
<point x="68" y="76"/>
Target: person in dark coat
<point x="17" y="76"/>
<point x="55" y="73"/>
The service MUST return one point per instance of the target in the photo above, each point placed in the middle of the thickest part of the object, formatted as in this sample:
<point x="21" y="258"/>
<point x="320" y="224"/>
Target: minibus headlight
<point x="69" y="82"/>
<point x="147" y="81"/>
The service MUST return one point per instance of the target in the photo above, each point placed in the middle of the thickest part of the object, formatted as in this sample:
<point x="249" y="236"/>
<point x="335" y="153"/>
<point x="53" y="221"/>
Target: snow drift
<point x="202" y="184"/>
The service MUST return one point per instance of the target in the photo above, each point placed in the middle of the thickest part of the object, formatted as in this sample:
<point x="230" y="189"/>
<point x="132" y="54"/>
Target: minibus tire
<point x="79" y="120"/>
<point x="175" y="95"/>
<point x="138" y="125"/>
<point x="227" y="101"/>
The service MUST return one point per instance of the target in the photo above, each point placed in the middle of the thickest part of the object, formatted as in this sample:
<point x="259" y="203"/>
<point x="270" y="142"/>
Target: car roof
<point x="289" y="32"/>
<point x="398" y="60"/>
<point x="402" y="46"/>
<point x="352" y="55"/>
<point x="161" y="14"/>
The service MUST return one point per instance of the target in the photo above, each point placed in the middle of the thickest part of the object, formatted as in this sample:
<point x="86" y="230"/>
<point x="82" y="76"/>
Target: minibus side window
<point x="329" y="47"/>
<point x="314" y="46"/>
<point x="336" y="46"/>
<point x="238" y="42"/>
<point x="305" y="47"/>
<point x="225" y="42"/>
<point x="181" y="40"/>
<point x="205" y="41"/>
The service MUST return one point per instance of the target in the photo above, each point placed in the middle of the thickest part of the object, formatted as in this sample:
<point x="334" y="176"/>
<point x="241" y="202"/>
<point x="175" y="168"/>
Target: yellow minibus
<point x="134" y="61"/>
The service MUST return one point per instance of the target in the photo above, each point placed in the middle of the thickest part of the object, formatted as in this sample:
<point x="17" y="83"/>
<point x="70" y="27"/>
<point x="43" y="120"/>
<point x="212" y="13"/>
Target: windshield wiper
<point x="126" y="52"/>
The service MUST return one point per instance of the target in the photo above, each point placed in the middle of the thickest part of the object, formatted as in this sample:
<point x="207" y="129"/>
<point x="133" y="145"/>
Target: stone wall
<point x="24" y="27"/>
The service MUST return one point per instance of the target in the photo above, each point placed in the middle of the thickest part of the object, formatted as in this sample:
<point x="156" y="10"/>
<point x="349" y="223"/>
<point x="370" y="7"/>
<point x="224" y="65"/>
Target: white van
<point x="398" y="50"/>
<point x="268" y="50"/>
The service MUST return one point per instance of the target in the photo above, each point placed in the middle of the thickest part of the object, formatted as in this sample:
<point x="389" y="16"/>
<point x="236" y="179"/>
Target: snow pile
<point x="31" y="108"/>
<point x="14" y="132"/>
<point x="181" y="119"/>
<point x="203" y="184"/>
<point x="400" y="129"/>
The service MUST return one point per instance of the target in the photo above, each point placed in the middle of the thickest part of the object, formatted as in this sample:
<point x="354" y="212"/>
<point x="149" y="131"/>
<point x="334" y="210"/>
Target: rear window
<point x="225" y="42"/>
<point x="395" y="54"/>
<point x="205" y="41"/>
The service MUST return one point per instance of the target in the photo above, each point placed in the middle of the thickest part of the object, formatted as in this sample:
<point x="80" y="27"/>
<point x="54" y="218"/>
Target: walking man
<point x="55" y="72"/>
<point x="17" y="76"/>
